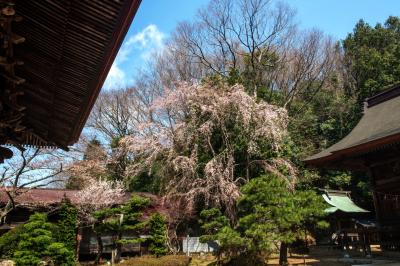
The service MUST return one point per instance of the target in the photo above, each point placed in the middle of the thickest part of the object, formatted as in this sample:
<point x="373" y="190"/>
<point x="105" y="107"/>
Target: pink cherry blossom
<point x="184" y="120"/>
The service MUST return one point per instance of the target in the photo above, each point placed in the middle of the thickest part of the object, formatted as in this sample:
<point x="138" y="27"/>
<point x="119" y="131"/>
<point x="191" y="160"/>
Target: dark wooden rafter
<point x="126" y="16"/>
<point x="69" y="48"/>
<point x="11" y="112"/>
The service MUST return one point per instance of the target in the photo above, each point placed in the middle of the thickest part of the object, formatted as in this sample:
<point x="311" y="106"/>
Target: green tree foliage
<point x="268" y="213"/>
<point x="158" y="235"/>
<point x="231" y="242"/>
<point x="371" y="63"/>
<point x="252" y="75"/>
<point x="148" y="181"/>
<point x="60" y="254"/>
<point x="124" y="218"/>
<point x="373" y="57"/>
<point x="216" y="227"/>
<point x="67" y="224"/>
<point x="212" y="222"/>
<point x="9" y="242"/>
<point x="321" y="122"/>
<point x="34" y="242"/>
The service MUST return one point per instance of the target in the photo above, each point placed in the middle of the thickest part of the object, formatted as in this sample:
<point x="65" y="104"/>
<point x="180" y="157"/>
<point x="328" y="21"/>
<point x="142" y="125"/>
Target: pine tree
<point x="216" y="227"/>
<point x="270" y="213"/>
<point x="158" y="237"/>
<point x="373" y="57"/>
<point x="212" y="221"/>
<point x="67" y="224"/>
<point x="117" y="220"/>
<point x="36" y="242"/>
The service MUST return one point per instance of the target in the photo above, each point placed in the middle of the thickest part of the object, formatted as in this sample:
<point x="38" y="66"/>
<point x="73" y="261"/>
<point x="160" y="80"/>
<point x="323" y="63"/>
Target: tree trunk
<point x="99" y="249"/>
<point x="116" y="252"/>
<point x="283" y="260"/>
<point x="247" y="167"/>
<point x="113" y="251"/>
<point x="118" y="249"/>
<point x="78" y="242"/>
<point x="7" y="209"/>
<point x="219" y="258"/>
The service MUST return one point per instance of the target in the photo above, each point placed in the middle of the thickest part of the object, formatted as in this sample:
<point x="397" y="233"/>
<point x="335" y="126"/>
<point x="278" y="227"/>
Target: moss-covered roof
<point x="341" y="201"/>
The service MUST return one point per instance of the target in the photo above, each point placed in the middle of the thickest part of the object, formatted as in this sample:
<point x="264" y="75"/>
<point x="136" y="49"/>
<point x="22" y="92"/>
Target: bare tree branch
<point x="29" y="168"/>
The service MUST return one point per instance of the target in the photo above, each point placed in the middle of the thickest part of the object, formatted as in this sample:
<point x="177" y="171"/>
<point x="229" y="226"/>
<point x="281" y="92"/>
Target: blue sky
<point x="156" y="19"/>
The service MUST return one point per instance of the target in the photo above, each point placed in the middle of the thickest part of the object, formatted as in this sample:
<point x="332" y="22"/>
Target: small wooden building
<point x="373" y="146"/>
<point x="350" y="225"/>
<point x="54" y="58"/>
<point x="340" y="201"/>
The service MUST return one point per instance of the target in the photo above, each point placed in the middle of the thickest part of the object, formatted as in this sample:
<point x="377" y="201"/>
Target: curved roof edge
<point x="341" y="202"/>
<point x="126" y="17"/>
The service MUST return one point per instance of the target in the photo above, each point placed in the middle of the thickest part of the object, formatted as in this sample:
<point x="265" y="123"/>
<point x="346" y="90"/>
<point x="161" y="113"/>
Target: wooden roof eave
<point x="69" y="50"/>
<point x="125" y="20"/>
<point x="350" y="158"/>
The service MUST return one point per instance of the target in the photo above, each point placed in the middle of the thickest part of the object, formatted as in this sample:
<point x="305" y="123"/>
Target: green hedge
<point x="162" y="261"/>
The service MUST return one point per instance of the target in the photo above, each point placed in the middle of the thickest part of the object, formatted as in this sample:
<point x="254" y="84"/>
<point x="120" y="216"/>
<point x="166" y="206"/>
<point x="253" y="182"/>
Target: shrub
<point x="117" y="220"/>
<point x="67" y="225"/>
<point x="9" y="242"/>
<point x="59" y="254"/>
<point x="158" y="237"/>
<point x="34" y="242"/>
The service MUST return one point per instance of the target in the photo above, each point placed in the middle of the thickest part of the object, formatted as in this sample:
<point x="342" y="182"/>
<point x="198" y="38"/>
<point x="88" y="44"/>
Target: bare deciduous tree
<point x="259" y="39"/>
<point x="307" y="67"/>
<point x="29" y="168"/>
<point x="117" y="112"/>
<point x="242" y="34"/>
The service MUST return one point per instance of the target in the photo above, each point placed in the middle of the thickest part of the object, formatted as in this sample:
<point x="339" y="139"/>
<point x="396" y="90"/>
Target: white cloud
<point x="144" y="43"/>
<point x="150" y="36"/>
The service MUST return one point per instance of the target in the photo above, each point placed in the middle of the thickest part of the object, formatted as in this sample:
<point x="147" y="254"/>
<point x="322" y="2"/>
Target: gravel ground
<point x="319" y="257"/>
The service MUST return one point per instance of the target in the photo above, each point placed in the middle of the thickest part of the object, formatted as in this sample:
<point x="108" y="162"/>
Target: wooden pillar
<point x="375" y="196"/>
<point x="346" y="245"/>
<point x="368" y="244"/>
<point x="376" y="200"/>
